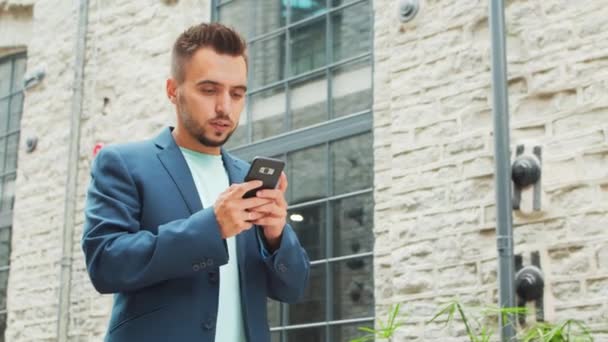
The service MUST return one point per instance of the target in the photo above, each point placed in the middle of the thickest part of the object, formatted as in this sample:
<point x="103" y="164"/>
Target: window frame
<point x="323" y="133"/>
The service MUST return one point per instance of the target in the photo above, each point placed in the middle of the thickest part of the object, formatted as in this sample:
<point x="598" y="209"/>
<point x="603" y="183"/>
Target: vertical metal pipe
<point x="72" y="174"/>
<point x="504" y="218"/>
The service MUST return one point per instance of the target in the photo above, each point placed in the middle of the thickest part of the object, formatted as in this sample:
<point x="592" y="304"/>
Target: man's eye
<point x="237" y="95"/>
<point x="208" y="91"/>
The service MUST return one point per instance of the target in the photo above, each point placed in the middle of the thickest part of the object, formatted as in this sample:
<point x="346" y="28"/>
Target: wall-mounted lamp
<point x="408" y="10"/>
<point x="33" y="78"/>
<point x="30" y="144"/>
<point x="525" y="172"/>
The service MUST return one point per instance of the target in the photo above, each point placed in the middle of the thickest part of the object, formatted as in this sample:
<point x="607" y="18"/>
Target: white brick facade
<point x="433" y="149"/>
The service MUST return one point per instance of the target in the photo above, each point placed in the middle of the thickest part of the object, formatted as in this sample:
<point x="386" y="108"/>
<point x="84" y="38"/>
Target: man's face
<point x="210" y="99"/>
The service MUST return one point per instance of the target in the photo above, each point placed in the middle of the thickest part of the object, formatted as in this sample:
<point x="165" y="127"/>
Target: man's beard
<point x="198" y="131"/>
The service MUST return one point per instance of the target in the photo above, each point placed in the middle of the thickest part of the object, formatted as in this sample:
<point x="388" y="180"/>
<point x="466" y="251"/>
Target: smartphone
<point x="268" y="170"/>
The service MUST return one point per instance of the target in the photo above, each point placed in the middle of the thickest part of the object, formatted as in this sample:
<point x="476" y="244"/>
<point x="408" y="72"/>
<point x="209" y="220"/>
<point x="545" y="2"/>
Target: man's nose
<point x="223" y="104"/>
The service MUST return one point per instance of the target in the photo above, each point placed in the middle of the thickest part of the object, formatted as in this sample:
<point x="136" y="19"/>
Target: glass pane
<point x="267" y="61"/>
<point x="351" y="31"/>
<point x="301" y="9"/>
<point x="312" y="306"/>
<point x="353" y="288"/>
<point x="308" y="174"/>
<point x="352" y="88"/>
<point x="11" y="153"/>
<point x="270" y="15"/>
<point x="2" y="153"/>
<point x="274" y="313"/>
<point x="2" y="326"/>
<point x="275" y="336"/>
<point x="352" y="160"/>
<point x="309" y="225"/>
<point x="268" y="110"/>
<point x="239" y="136"/>
<point x="5" y="77"/>
<point x="18" y="74"/>
<point x="3" y="284"/>
<point x="308" y="101"/>
<point x="8" y="193"/>
<point x="4" y="114"/>
<point x="16" y="109"/>
<point x="5" y="246"/>
<point x="308" y="334"/>
<point x="353" y="225"/>
<point x="348" y="332"/>
<point x="236" y="15"/>
<point x="308" y="47"/>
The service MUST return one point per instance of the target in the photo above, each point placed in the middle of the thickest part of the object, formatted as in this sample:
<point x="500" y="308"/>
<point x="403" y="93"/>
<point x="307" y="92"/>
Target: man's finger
<point x="249" y="203"/>
<point x="250" y="216"/>
<point x="242" y="188"/>
<point x="282" y="183"/>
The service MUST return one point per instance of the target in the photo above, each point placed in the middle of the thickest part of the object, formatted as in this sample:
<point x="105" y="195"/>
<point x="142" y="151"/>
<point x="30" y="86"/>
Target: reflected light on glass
<point x="296" y="217"/>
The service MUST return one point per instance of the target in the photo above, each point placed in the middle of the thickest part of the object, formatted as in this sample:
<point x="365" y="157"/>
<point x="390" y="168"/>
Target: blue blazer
<point x="148" y="240"/>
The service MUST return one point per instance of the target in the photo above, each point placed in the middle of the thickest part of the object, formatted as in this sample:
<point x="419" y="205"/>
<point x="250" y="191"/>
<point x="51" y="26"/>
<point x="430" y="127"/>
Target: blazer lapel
<point x="173" y="160"/>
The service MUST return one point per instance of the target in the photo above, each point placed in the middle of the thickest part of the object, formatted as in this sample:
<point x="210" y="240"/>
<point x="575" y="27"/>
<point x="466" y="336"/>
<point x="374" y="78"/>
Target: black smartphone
<point x="268" y="170"/>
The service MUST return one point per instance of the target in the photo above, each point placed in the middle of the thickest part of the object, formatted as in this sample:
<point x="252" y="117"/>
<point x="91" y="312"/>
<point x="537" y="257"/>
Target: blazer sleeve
<point x="287" y="268"/>
<point x="120" y="255"/>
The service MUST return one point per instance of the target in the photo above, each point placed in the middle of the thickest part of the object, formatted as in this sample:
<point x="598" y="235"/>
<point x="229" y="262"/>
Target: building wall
<point x="433" y="150"/>
<point x="127" y="62"/>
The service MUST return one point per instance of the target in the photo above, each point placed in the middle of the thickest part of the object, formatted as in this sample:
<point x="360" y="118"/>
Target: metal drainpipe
<point x="504" y="218"/>
<point x="72" y="177"/>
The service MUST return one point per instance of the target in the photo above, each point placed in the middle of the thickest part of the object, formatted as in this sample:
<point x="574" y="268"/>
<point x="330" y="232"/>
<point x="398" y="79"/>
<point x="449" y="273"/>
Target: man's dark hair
<point x="222" y="39"/>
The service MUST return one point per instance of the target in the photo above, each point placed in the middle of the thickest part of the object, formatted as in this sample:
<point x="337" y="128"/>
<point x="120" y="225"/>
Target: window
<point x="309" y="104"/>
<point x="12" y="69"/>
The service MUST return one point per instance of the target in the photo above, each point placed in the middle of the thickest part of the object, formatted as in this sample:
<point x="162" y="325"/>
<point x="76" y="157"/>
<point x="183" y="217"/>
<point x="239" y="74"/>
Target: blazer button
<point x="208" y="324"/>
<point x="210" y="262"/>
<point x="195" y="267"/>
<point x="282" y="268"/>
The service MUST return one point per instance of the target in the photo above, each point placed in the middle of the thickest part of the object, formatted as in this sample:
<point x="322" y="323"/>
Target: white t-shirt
<point x="211" y="179"/>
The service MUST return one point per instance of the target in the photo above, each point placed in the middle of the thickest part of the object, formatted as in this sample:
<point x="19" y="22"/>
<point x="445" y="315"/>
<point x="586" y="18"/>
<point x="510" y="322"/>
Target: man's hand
<point x="233" y="212"/>
<point x="274" y="213"/>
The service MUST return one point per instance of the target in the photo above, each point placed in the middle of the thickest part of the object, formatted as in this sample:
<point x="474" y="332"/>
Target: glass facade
<point x="309" y="103"/>
<point x="12" y="69"/>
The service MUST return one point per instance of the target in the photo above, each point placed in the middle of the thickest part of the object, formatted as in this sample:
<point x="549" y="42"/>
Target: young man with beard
<point x="166" y="228"/>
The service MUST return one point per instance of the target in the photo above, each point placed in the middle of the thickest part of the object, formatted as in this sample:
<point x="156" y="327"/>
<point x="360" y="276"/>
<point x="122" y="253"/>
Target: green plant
<point x="385" y="330"/>
<point x="568" y="331"/>
<point x="476" y="328"/>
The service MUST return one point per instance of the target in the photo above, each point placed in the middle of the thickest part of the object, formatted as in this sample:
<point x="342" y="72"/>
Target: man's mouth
<point x="220" y="125"/>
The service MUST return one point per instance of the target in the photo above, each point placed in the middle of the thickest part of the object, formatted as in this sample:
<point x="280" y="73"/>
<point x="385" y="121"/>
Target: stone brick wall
<point x="127" y="62"/>
<point x="433" y="149"/>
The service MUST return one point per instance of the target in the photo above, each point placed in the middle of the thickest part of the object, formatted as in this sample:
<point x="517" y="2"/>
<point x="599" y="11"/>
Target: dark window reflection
<point x="316" y="334"/>
<point x="352" y="160"/>
<point x="266" y="61"/>
<point x="351" y="31"/>
<point x="312" y="307"/>
<point x="308" y="179"/>
<point x="308" y="47"/>
<point x="309" y="225"/>
<point x="275" y="336"/>
<point x="273" y="308"/>
<point x="348" y="332"/>
<point x="353" y="225"/>
<point x="353" y="288"/>
<point x="5" y="246"/>
<point x="235" y="14"/>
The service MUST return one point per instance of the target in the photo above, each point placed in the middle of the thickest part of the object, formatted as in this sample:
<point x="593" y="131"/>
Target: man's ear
<point x="171" y="89"/>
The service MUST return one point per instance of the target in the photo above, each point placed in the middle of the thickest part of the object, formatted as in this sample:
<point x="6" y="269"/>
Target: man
<point x="166" y="228"/>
